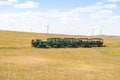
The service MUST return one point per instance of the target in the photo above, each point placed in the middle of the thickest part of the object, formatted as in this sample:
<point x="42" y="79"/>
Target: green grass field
<point x="20" y="61"/>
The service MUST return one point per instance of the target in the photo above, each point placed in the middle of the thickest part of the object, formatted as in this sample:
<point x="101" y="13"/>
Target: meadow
<point x="20" y="61"/>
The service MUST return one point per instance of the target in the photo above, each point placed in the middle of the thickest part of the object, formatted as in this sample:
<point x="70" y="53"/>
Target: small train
<point x="67" y="42"/>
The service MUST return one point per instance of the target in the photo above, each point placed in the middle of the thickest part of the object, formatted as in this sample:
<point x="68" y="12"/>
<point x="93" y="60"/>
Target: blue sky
<point x="81" y="17"/>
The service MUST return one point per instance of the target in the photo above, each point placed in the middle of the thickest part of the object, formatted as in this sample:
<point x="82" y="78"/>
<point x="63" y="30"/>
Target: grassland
<point x="20" y="61"/>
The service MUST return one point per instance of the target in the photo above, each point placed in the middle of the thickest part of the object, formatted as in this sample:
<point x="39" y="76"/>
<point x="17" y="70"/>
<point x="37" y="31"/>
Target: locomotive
<point x="67" y="42"/>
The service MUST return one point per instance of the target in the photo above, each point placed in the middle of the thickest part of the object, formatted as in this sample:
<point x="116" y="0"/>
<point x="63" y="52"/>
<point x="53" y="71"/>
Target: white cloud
<point x="106" y="17"/>
<point x="12" y="0"/>
<point x="111" y="6"/>
<point x="5" y="3"/>
<point x="105" y="12"/>
<point x="102" y="15"/>
<point x="93" y="8"/>
<point x="116" y="17"/>
<point x="99" y="3"/>
<point x="113" y="0"/>
<point x="17" y="4"/>
<point x="77" y="20"/>
<point x="88" y="8"/>
<point x="28" y="4"/>
<point x="8" y="2"/>
<point x="22" y="21"/>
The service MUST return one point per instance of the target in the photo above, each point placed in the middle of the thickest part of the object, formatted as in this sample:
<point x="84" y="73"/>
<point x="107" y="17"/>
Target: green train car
<point x="55" y="42"/>
<point x="39" y="43"/>
<point x="70" y="42"/>
<point x="67" y="42"/>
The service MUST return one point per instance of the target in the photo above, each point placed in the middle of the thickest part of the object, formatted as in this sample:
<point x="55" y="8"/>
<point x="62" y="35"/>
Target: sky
<point x="76" y="17"/>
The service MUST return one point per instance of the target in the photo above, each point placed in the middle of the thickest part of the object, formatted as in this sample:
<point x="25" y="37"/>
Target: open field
<point x="20" y="61"/>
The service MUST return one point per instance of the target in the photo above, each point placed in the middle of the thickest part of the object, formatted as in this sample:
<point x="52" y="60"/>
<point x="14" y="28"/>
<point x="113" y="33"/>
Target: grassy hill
<point x="20" y="61"/>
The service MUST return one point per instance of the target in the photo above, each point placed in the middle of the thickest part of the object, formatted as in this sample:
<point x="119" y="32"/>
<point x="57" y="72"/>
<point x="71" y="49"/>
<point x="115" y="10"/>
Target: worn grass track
<point x="20" y="61"/>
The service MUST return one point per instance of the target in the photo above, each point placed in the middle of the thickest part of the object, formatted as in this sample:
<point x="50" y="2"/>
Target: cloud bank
<point x="80" y="20"/>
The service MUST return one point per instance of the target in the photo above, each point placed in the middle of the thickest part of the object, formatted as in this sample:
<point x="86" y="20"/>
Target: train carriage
<point x="55" y="42"/>
<point x="70" y="42"/>
<point x="84" y="42"/>
<point x="39" y="43"/>
<point x="96" y="42"/>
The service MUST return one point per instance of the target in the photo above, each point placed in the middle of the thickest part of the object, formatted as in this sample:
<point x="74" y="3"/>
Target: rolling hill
<point x="20" y="61"/>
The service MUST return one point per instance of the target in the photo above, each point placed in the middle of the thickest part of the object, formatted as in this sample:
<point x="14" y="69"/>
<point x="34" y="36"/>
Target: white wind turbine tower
<point x="101" y="31"/>
<point x="48" y="29"/>
<point x="92" y="31"/>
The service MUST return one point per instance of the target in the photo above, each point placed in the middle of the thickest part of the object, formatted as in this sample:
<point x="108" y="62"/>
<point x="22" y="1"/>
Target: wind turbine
<point x="47" y="29"/>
